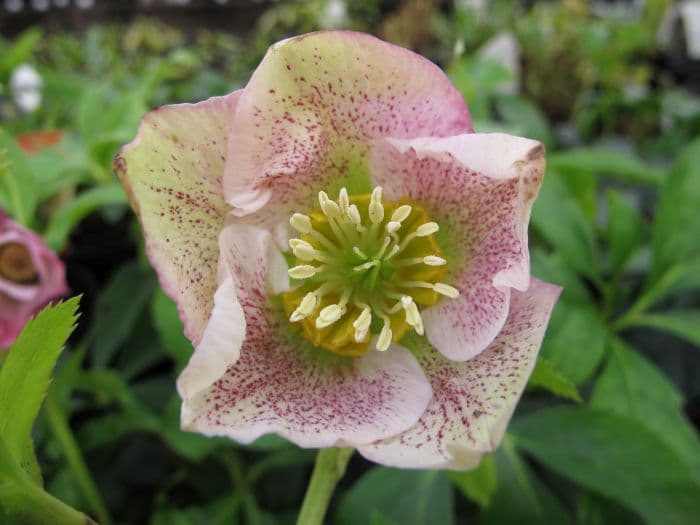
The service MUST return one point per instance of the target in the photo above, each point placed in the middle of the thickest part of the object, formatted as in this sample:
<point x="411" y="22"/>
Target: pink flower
<point x="30" y="276"/>
<point x="410" y="324"/>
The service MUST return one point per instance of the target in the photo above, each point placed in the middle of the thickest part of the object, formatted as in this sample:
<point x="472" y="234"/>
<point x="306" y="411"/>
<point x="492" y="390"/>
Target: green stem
<point x="62" y="431"/>
<point x="328" y="469"/>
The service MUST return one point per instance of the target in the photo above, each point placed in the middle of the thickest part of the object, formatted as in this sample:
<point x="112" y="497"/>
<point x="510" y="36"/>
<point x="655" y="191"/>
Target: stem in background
<point x="328" y="469"/>
<point x="62" y="431"/>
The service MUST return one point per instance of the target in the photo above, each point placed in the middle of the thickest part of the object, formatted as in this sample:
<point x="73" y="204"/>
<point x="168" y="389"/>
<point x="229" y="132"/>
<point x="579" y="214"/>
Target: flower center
<point x="16" y="264"/>
<point x="366" y="266"/>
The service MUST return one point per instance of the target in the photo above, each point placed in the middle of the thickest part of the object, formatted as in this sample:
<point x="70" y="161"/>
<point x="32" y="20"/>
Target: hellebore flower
<point x="410" y="323"/>
<point x="30" y="276"/>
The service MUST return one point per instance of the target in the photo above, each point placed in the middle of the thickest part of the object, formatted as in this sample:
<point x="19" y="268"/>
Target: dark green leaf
<point x="625" y="230"/>
<point x="25" y="376"/>
<point x="521" y="498"/>
<point x="682" y="323"/>
<point x="559" y="218"/>
<point x="575" y="342"/>
<point x="119" y="307"/>
<point x="632" y="386"/>
<point x="76" y="209"/>
<point x="675" y="236"/>
<point x="479" y="484"/>
<point x="546" y="376"/>
<point x="606" y="161"/>
<point x="616" y="456"/>
<point x="170" y="329"/>
<point x="402" y="496"/>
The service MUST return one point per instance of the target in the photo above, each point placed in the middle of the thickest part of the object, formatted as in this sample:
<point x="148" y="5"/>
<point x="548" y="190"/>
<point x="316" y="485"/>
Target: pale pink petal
<point x="306" y="118"/>
<point x="473" y="400"/>
<point x="480" y="189"/>
<point x="172" y="173"/>
<point x="280" y="384"/>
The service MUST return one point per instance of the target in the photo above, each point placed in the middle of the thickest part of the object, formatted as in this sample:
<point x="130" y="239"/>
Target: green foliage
<point x="479" y="484"/>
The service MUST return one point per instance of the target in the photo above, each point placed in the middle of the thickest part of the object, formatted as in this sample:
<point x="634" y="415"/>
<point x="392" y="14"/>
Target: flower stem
<point x="61" y="430"/>
<point x="328" y="469"/>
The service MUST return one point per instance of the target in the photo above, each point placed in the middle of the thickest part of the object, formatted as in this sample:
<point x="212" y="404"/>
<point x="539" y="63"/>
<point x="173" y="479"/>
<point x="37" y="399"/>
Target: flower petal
<point x="480" y="188"/>
<point x="172" y="173"/>
<point x="280" y="384"/>
<point x="306" y="118"/>
<point x="473" y="400"/>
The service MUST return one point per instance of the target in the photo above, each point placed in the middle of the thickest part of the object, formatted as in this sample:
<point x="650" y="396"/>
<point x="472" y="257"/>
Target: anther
<point x="392" y="226"/>
<point x="300" y="222"/>
<point x="413" y="317"/>
<point x="305" y="308"/>
<point x="446" y="290"/>
<point x="376" y="209"/>
<point x="303" y="271"/>
<point x="330" y="208"/>
<point x="302" y="250"/>
<point x="385" y="336"/>
<point x="343" y="200"/>
<point x="427" y="229"/>
<point x="434" y="260"/>
<point x="329" y="315"/>
<point x="401" y="213"/>
<point x="354" y="216"/>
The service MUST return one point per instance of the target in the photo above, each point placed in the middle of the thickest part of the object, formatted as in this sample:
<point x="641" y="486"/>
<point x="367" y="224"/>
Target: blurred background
<point x="607" y="430"/>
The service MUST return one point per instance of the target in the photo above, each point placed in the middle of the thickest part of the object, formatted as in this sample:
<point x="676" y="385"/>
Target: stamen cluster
<point x="364" y="263"/>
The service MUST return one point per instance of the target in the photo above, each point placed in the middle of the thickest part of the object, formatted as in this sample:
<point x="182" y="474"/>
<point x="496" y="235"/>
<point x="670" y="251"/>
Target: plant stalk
<point x="328" y="469"/>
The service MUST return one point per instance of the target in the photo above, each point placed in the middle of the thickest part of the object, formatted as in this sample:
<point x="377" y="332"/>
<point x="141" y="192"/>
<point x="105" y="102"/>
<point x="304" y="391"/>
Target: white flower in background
<point x="688" y="14"/>
<point x="505" y="49"/>
<point x="25" y="85"/>
<point x="334" y="15"/>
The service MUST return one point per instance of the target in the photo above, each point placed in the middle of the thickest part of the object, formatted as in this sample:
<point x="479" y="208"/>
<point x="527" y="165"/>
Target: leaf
<point x="575" y="342"/>
<point x="552" y="268"/>
<point x="675" y="236"/>
<point x="546" y="376"/>
<point x="170" y="329"/>
<point x="616" y="456"/>
<point x="21" y="50"/>
<point x="625" y="230"/>
<point x="25" y="376"/>
<point x="558" y="217"/>
<point x="17" y="183"/>
<point x="519" y="111"/>
<point x="606" y="161"/>
<point x="521" y="498"/>
<point x="479" y="484"/>
<point x="682" y="323"/>
<point x="119" y="307"/>
<point x="632" y="386"/>
<point x="405" y="497"/>
<point x="70" y="214"/>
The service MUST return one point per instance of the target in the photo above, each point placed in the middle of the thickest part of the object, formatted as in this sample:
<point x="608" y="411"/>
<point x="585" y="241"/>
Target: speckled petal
<point x="473" y="400"/>
<point x="311" y="109"/>
<point x="172" y="173"/>
<point x="281" y="385"/>
<point x="480" y="189"/>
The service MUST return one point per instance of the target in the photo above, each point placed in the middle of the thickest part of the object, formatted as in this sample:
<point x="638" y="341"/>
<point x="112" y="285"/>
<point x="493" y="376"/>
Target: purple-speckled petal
<point x="473" y="400"/>
<point x="306" y="118"/>
<point x="273" y="385"/>
<point x="480" y="189"/>
<point x="172" y="173"/>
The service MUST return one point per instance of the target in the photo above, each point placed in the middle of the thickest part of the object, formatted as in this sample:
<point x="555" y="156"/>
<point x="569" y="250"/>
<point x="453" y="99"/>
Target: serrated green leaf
<point x="479" y="484"/>
<point x="25" y="376"/>
<point x="546" y="376"/>
<point x="615" y="456"/>
<point x="632" y="386"/>
<point x="401" y="496"/>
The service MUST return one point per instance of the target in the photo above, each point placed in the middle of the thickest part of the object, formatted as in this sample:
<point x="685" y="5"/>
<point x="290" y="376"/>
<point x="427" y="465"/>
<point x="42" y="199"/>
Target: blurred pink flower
<point x="411" y="324"/>
<point x="31" y="274"/>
